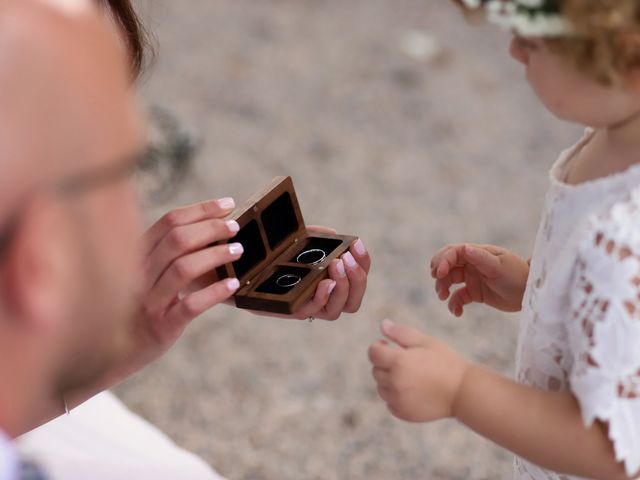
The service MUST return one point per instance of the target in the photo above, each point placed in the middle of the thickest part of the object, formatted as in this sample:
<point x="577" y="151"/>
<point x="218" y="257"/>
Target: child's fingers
<point x="450" y="259"/>
<point x="381" y="376"/>
<point x="385" y="394"/>
<point x="487" y="263"/>
<point x="439" y="255"/>
<point x="402" y="335"/>
<point x="443" y="285"/>
<point x="382" y="355"/>
<point x="458" y="300"/>
<point x="437" y="259"/>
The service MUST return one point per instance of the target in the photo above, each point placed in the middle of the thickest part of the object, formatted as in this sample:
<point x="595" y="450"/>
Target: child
<point x="575" y="408"/>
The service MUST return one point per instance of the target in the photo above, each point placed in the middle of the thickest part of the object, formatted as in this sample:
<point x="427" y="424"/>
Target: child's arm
<point x="545" y="428"/>
<point x="490" y="274"/>
<point x="424" y="380"/>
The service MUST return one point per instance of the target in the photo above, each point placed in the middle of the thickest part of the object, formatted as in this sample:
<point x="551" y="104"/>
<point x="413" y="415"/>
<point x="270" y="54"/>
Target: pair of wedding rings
<point x="313" y="256"/>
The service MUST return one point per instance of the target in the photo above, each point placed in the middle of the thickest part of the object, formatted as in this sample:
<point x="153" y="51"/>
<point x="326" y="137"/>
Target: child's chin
<point x="579" y="118"/>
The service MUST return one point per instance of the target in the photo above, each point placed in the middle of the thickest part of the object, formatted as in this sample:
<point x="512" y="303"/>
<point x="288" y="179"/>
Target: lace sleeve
<point x="604" y="333"/>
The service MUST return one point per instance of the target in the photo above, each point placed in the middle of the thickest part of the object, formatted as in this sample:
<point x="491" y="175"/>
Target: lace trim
<point x="605" y="330"/>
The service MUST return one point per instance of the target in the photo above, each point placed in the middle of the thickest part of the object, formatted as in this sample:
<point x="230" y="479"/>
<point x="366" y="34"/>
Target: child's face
<point x="570" y="94"/>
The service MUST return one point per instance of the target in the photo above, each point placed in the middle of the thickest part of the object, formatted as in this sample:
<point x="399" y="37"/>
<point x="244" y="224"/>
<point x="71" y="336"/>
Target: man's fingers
<point x="382" y="355"/>
<point x="185" y="216"/>
<point x="195" y="304"/>
<point x="403" y="335"/>
<point x="185" y="270"/>
<point x="186" y="239"/>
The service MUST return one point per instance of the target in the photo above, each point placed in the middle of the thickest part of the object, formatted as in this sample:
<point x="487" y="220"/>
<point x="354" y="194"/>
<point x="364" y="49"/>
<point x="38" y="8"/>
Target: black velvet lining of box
<point x="254" y="251"/>
<point x="279" y="220"/>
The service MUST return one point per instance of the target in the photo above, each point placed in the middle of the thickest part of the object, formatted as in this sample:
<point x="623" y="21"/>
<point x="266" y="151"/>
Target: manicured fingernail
<point x="236" y="249"/>
<point x="233" y="226"/>
<point x="359" y="247"/>
<point x="340" y="268"/>
<point x="331" y="288"/>
<point x="227" y="203"/>
<point x="233" y="284"/>
<point x="349" y="260"/>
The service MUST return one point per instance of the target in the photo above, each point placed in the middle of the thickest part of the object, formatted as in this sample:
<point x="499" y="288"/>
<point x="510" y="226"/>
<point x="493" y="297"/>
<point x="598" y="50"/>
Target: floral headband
<point x="529" y="18"/>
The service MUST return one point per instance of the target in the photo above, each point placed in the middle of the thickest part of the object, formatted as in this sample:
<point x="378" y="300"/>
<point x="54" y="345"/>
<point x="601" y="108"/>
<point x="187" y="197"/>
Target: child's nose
<point x="517" y="52"/>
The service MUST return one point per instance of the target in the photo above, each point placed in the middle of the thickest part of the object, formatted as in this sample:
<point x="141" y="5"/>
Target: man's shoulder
<point x="8" y="458"/>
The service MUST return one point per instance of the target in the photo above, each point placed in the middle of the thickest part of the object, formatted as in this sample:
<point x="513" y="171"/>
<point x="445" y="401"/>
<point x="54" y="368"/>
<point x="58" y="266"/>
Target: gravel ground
<point x="399" y="123"/>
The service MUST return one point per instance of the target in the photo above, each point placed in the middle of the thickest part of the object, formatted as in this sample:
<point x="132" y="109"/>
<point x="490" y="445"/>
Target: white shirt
<point x="580" y="324"/>
<point x="102" y="440"/>
<point x="8" y="459"/>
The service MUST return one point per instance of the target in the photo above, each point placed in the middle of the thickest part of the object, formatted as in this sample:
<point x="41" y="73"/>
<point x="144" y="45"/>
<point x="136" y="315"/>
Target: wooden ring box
<point x="275" y="239"/>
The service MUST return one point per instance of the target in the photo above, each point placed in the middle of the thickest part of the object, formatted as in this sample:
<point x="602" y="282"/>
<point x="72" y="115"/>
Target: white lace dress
<point x="580" y="325"/>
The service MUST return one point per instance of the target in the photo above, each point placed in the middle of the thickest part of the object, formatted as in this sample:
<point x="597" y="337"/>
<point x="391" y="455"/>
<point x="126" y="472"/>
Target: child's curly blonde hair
<point x="605" y="37"/>
<point x="607" y="40"/>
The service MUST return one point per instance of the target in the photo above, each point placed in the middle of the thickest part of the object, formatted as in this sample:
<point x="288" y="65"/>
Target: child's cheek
<point x="542" y="82"/>
<point x="518" y="53"/>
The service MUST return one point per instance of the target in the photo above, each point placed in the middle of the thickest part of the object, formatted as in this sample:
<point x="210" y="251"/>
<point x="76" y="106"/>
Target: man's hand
<point x="419" y="377"/>
<point x="490" y="274"/>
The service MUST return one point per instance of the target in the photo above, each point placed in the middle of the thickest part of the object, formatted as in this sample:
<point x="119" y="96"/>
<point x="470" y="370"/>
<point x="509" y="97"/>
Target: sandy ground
<point x="398" y="123"/>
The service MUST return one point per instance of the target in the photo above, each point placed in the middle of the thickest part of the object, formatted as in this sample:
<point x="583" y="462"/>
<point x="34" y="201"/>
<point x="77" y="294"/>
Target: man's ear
<point x="630" y="42"/>
<point x="35" y="268"/>
<point x="633" y="80"/>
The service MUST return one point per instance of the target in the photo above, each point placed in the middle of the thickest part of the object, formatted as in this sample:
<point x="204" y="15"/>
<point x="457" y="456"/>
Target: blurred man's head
<point x="69" y="263"/>
<point x="130" y="29"/>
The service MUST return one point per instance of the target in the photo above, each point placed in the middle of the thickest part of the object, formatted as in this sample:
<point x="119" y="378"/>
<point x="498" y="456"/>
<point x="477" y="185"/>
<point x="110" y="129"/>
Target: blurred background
<point x="399" y="123"/>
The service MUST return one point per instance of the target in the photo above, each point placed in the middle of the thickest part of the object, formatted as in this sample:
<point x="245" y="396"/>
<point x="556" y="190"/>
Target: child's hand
<point x="419" y="379"/>
<point x="490" y="274"/>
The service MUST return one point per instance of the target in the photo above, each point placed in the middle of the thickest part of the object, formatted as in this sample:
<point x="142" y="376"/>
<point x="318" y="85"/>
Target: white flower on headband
<point x="529" y="18"/>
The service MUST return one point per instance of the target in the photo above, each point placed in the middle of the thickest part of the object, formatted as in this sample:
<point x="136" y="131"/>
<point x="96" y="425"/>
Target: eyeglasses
<point x="77" y="184"/>
<point x="165" y="163"/>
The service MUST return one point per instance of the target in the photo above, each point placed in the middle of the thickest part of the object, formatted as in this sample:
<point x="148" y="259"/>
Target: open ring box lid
<point x="273" y="234"/>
